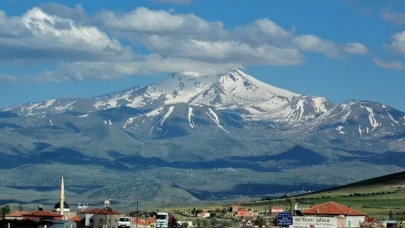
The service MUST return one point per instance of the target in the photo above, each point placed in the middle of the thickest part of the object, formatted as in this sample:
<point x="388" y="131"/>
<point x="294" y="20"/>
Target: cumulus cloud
<point x="112" y="70"/>
<point x="393" y="17"/>
<point x="91" y="46"/>
<point x="398" y="43"/>
<point x="37" y="36"/>
<point x="393" y="65"/>
<point x="327" y="47"/>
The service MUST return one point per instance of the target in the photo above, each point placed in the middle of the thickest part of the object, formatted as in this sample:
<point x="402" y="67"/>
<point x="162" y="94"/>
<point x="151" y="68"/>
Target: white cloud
<point x="223" y="51"/>
<point x="355" y="48"/>
<point x="327" y="47"/>
<point x="393" y="17"/>
<point x="316" y="44"/>
<point x="180" y="2"/>
<point x="393" y="65"/>
<point x="83" y="47"/>
<point x="145" y="21"/>
<point x="398" y="43"/>
<point x="6" y="79"/>
<point x="189" y="36"/>
<point x="37" y="35"/>
<point x="112" y="70"/>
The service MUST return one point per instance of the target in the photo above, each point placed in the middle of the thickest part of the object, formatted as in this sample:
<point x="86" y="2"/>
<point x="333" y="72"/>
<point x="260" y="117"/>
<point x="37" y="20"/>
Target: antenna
<point x="83" y="206"/>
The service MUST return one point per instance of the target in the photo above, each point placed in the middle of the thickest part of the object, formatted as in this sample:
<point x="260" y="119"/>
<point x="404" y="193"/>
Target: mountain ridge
<point x="201" y="126"/>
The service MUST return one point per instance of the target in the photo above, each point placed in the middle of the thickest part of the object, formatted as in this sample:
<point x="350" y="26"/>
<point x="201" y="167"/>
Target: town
<point x="326" y="215"/>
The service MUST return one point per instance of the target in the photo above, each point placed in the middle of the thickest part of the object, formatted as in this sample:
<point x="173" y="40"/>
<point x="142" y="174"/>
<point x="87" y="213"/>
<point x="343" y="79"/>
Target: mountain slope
<point x="223" y="123"/>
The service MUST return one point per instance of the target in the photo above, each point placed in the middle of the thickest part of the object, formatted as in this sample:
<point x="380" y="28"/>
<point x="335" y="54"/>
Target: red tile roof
<point x="16" y="214"/>
<point x="151" y="220"/>
<point x="144" y="222"/>
<point x="332" y="208"/>
<point x="75" y="219"/>
<point x="42" y="214"/>
<point x="102" y="211"/>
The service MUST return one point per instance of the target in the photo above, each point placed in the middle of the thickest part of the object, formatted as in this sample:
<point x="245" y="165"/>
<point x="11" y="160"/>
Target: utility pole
<point x="270" y="208"/>
<point x="137" y="212"/>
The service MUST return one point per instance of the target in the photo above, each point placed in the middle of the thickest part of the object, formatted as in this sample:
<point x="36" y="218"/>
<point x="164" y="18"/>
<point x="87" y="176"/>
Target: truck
<point x="164" y="220"/>
<point x="125" y="222"/>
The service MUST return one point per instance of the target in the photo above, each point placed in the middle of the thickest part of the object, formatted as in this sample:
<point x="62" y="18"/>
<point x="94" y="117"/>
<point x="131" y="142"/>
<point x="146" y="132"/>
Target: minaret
<point x="62" y="197"/>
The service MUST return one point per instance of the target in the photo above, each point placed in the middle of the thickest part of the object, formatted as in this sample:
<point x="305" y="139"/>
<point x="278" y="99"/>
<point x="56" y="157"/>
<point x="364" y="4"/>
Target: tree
<point x="4" y="211"/>
<point x="174" y="221"/>
<point x="184" y="225"/>
<point x="20" y="208"/>
<point x="260" y="222"/>
<point x="390" y="214"/>
<point x="291" y="201"/>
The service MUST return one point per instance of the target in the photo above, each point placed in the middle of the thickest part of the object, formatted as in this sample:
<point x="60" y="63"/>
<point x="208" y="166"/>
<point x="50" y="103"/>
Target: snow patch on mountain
<point x="171" y="108"/>
<point x="154" y="112"/>
<point x="190" y="116"/>
<point x="371" y="118"/>
<point x="128" y="122"/>
<point x="214" y="117"/>
<point x="320" y="104"/>
<point x="68" y="106"/>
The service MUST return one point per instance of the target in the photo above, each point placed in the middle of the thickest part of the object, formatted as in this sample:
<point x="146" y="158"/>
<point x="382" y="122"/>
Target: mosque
<point x="62" y="207"/>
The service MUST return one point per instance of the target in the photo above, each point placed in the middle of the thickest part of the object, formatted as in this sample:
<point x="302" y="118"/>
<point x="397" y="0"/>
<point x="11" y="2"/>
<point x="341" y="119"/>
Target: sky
<point x="338" y="49"/>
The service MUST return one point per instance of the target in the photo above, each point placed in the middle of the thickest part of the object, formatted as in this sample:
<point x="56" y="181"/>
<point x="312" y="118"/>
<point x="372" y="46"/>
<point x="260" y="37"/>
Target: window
<point x="349" y="223"/>
<point x="101" y="220"/>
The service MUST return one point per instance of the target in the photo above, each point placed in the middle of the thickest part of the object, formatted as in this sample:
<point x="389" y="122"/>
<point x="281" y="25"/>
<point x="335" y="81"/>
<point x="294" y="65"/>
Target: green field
<point x="376" y="197"/>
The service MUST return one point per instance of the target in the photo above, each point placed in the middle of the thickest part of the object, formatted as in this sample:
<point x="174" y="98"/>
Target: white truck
<point x="125" y="222"/>
<point x="163" y="220"/>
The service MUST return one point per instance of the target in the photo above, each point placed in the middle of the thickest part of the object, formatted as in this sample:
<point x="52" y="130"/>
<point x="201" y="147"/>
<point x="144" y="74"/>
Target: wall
<point x="318" y="222"/>
<point x="354" y="221"/>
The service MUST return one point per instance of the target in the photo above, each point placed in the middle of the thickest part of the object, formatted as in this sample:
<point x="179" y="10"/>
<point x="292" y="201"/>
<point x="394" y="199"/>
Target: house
<point x="15" y="215"/>
<point x="344" y="216"/>
<point x="40" y="215"/>
<point x="241" y="212"/>
<point x="100" y="217"/>
<point x="144" y="223"/>
<point x="234" y="208"/>
<point x="277" y="210"/>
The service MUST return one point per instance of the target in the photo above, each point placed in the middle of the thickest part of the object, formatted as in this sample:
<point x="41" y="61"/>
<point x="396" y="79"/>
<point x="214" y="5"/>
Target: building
<point x="241" y="212"/>
<point x="100" y="217"/>
<point x="15" y="215"/>
<point x="40" y="215"/>
<point x="234" y="208"/>
<point x="67" y="214"/>
<point x="330" y="214"/>
<point x="144" y="223"/>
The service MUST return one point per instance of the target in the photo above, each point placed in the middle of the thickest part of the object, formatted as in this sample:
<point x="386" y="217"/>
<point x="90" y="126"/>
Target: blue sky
<point x="339" y="49"/>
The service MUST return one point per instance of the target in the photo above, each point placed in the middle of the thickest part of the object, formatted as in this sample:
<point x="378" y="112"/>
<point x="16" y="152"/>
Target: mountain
<point x="199" y="124"/>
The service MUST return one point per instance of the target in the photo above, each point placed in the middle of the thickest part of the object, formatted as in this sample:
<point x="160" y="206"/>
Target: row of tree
<point x="6" y="210"/>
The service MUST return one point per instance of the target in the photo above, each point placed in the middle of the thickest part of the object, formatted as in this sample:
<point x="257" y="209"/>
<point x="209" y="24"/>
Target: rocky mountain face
<point x="190" y="120"/>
